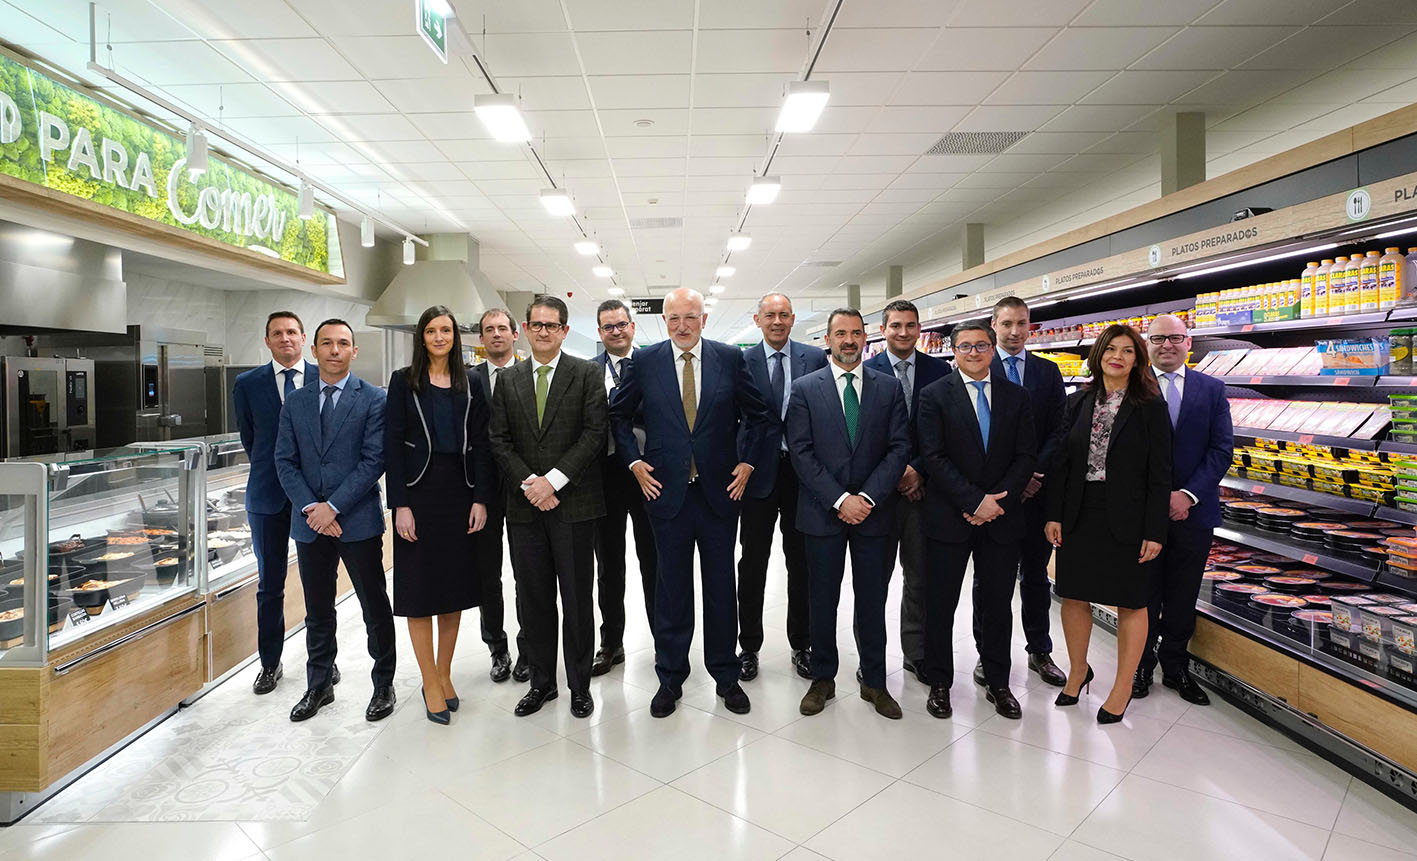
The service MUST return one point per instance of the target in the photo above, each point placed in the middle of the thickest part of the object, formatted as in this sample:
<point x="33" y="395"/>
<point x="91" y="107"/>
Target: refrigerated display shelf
<point x="1346" y="321"/>
<point x="1315" y="380"/>
<point x="1294" y="494"/>
<point x="1316" y="439"/>
<point x="1271" y="542"/>
<point x="1396" y="515"/>
<point x="1053" y="345"/>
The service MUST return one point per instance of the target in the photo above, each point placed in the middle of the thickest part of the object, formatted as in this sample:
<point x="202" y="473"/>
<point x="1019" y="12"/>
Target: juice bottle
<point x="1321" y="300"/>
<point x="1368" y="281"/>
<point x="1352" y="285"/>
<point x="1306" y="290"/>
<point x="1392" y="278"/>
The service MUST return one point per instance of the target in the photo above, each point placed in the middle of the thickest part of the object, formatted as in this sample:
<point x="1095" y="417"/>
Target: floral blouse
<point x="1103" y="415"/>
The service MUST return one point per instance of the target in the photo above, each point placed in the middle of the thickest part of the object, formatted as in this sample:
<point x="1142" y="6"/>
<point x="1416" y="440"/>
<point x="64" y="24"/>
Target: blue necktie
<point x="289" y="382"/>
<point x="982" y="405"/>
<point x="1012" y="362"/>
<point x="327" y="412"/>
<point x="1173" y="398"/>
<point x="778" y="384"/>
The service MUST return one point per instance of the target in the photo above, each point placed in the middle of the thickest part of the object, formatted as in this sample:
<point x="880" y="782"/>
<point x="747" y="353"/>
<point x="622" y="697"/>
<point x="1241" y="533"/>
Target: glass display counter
<point x="230" y="557"/>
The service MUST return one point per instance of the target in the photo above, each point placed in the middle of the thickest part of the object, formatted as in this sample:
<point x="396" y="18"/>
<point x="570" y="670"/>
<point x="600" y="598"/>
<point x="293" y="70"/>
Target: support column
<point x="853" y="295"/>
<point x="895" y="281"/>
<point x="1182" y="147"/>
<point x="972" y="246"/>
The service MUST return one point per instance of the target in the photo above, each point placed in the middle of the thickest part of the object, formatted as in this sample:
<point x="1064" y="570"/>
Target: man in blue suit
<point x="693" y="395"/>
<point x="900" y="323"/>
<point x="257" y="397"/>
<point x="775" y="364"/>
<point x="850" y="439"/>
<point x="1201" y="449"/>
<point x="329" y="456"/>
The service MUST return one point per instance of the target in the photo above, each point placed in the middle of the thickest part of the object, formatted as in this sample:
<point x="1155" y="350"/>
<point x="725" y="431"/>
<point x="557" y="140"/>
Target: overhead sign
<point x="647" y="306"/>
<point x="56" y="137"/>
<point x="433" y="18"/>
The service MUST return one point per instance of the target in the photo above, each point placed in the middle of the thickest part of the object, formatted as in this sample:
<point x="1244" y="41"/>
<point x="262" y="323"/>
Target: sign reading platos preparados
<point x="54" y="136"/>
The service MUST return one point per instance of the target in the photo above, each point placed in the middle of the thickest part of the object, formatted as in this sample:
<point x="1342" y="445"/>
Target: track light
<point x="366" y="232"/>
<point x="196" y="152"/>
<point x="716" y="289"/>
<point x="764" y="190"/>
<point x="558" y="201"/>
<point x="501" y="117"/>
<point x="602" y="271"/>
<point x="588" y="248"/>
<point x="408" y="251"/>
<point x="725" y="271"/>
<point x="307" y="201"/>
<point x="739" y="242"/>
<point x="805" y="100"/>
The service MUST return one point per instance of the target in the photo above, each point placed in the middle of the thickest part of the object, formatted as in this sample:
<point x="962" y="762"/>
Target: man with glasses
<point x="1202" y="443"/>
<point x="977" y="444"/>
<point x="693" y="395"/>
<point x="622" y="499"/>
<point x="772" y="491"/>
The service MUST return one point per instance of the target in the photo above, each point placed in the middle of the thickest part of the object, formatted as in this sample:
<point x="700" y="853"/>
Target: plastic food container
<point x="1346" y="612"/>
<point x="1377" y="621"/>
<point x="1404" y="634"/>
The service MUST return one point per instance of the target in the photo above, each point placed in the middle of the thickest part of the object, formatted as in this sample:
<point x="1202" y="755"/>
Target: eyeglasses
<point x="1158" y="340"/>
<point x="611" y="328"/>
<point x="981" y="347"/>
<point x="539" y="326"/>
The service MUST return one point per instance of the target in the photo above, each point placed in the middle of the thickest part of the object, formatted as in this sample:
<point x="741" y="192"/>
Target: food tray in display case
<point x="95" y="539"/>
<point x="229" y="554"/>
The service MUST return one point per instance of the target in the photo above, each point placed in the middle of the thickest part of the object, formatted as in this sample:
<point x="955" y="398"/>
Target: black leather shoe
<point x="521" y="672"/>
<point x="1187" y="686"/>
<point x="501" y="667"/>
<point x="311" y="703"/>
<point x="581" y="704"/>
<point x="938" y="705"/>
<point x="1005" y="704"/>
<point x="266" y="680"/>
<point x="1141" y="685"/>
<point x="662" y="705"/>
<point x="1042" y="664"/>
<point x="802" y="661"/>
<point x="748" y="666"/>
<point x="334" y="675"/>
<point x="534" y="700"/>
<point x="735" y="699"/>
<point x="915" y="670"/>
<point x="858" y="675"/>
<point x="605" y="660"/>
<point x="1106" y="717"/>
<point x="979" y="675"/>
<point x="381" y="705"/>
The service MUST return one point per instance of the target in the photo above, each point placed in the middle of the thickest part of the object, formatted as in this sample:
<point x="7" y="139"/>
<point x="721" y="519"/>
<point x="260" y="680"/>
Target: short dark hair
<point x="612" y="305"/>
<point x="334" y="321"/>
<point x="850" y="312"/>
<point x="970" y="326"/>
<point x="1008" y="302"/>
<point x="902" y="305"/>
<point x="546" y="300"/>
<point x="281" y="315"/>
<point x="492" y="312"/>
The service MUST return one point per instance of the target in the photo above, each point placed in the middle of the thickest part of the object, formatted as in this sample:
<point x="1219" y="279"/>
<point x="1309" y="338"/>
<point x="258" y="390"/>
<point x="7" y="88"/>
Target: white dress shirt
<point x="619" y="362"/>
<point x="557" y="478"/>
<point x="280" y="370"/>
<point x="858" y="382"/>
<point x="493" y="368"/>
<point x="1005" y="355"/>
<point x="972" y="391"/>
<point x="1180" y="393"/>
<point x="786" y="351"/>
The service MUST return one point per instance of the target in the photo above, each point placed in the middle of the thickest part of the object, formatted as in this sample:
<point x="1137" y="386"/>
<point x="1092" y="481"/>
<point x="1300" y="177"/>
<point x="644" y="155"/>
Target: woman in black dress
<point x="1107" y="501"/>
<point x="439" y="481"/>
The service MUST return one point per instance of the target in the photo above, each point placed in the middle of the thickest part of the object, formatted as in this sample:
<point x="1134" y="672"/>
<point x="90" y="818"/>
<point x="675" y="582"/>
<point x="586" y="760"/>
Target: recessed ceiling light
<point x="602" y="271"/>
<point x="711" y="301"/>
<point x="558" y="201"/>
<point x="501" y="117"/>
<point x="725" y="271"/>
<point x="805" y="100"/>
<point x="717" y="288"/>
<point x="644" y="123"/>
<point x="616" y="291"/>
<point x="764" y="190"/>
<point x="739" y="242"/>
<point x="586" y="247"/>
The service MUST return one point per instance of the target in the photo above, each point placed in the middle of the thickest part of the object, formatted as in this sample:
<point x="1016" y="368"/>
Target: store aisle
<point x="232" y="778"/>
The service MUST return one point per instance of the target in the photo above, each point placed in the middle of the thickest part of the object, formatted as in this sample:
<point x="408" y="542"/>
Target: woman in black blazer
<point x="439" y="478"/>
<point x="1107" y="507"/>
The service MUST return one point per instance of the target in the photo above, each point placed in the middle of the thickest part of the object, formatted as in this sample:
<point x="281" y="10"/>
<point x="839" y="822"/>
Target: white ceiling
<point x="376" y="115"/>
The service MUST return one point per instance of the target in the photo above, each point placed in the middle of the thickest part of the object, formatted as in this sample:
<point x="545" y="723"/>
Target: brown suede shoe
<point x="817" y="696"/>
<point x="885" y="704"/>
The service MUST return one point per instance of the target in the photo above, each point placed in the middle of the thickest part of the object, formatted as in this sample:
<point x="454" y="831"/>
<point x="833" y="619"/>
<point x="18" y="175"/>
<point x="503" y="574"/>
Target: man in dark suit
<point x="1202" y="441"/>
<point x="329" y="456"/>
<point x="772" y="490"/>
<point x="693" y="394"/>
<point x="900" y="323"/>
<point x="622" y="499"/>
<point x="548" y="429"/>
<point x="258" y="396"/>
<point x="850" y="439"/>
<point x="1044" y="384"/>
<point x="977" y="443"/>
<point x="499" y="338"/>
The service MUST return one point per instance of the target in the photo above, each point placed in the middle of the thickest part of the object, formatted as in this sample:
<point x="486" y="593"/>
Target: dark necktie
<point x="851" y="407"/>
<point x="289" y="382"/>
<point x="778" y="384"/>
<point x="981" y="408"/>
<point x="327" y="413"/>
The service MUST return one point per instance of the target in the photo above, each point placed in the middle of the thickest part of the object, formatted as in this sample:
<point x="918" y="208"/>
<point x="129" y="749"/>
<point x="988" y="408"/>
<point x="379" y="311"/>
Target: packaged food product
<point x="1273" y="599"/>
<point x="1346" y="609"/>
<point x="1312" y="617"/>
<point x="1337" y="294"/>
<point x="1393" y="281"/>
<point x="1400" y="352"/>
<point x="1368" y="281"/>
<point x="1352" y="285"/>
<point x="1404" y="633"/>
<point x="1377" y="621"/>
<point x="1306" y="290"/>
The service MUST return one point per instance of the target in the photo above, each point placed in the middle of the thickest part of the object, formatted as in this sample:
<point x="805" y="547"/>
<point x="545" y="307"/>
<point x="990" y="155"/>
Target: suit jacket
<point x="408" y="445"/>
<point x="1044" y="384"/>
<point x="342" y="469"/>
<point x="258" y="406"/>
<point x="728" y="399"/>
<point x="960" y="469"/>
<point x="570" y="437"/>
<point x="803" y="360"/>
<point x="1138" y="468"/>
<point x="603" y="359"/>
<point x="1202" y="442"/>
<point x="928" y="369"/>
<point x="826" y="462"/>
<point x="481" y="372"/>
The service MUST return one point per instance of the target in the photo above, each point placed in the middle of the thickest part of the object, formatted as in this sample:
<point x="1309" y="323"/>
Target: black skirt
<point x="436" y="573"/>
<point x="1093" y="565"/>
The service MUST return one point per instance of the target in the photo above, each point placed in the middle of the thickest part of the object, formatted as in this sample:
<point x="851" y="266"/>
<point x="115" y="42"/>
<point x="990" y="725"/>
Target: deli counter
<point x="127" y="588"/>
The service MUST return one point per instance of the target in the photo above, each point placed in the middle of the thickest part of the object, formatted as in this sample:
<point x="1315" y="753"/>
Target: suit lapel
<point x="707" y="376"/>
<point x="667" y="372"/>
<point x="560" y="382"/>
<point x="1189" y="396"/>
<point x="524" y="388"/>
<point x="827" y="391"/>
<point x="1124" y="412"/>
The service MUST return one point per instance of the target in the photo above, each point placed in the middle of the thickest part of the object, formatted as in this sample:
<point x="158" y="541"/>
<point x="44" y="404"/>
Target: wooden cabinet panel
<point x="231" y="619"/>
<point x="1363" y="717"/>
<point x="22" y="729"/>
<point x="1253" y="662"/>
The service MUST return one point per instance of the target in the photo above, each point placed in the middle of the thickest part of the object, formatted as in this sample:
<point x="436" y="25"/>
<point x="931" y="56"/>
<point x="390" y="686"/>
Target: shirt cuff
<point x="558" y="479"/>
<point x="869" y="501"/>
<point x="1194" y="500"/>
<point x="839" y="500"/>
<point x="306" y="509"/>
<point x="632" y="463"/>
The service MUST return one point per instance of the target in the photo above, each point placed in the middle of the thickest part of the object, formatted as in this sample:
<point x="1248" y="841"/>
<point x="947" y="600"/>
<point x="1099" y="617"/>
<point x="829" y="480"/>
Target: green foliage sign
<point x="56" y="137"/>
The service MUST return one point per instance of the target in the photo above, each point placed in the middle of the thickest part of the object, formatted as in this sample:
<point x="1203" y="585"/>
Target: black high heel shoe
<point x="1106" y="717"/>
<point x="453" y="703"/>
<point x="442" y="718"/>
<point x="1071" y="700"/>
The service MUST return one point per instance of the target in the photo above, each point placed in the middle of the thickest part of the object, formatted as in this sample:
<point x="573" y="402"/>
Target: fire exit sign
<point x="433" y="18"/>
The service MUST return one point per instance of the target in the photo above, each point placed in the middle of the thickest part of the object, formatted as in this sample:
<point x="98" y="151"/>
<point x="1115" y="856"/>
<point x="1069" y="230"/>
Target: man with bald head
<point x="693" y="396"/>
<point x="1202" y="440"/>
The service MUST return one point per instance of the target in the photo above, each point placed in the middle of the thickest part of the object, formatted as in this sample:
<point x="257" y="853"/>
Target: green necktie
<point x="541" y="387"/>
<point x="852" y="407"/>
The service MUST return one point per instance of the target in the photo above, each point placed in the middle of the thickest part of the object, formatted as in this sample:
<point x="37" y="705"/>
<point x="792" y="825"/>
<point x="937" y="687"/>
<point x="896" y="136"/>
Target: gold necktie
<point x="691" y="405"/>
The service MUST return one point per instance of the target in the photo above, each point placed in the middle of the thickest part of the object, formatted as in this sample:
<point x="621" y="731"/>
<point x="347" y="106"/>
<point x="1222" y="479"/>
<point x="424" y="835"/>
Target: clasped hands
<point x="322" y="518"/>
<point x="853" y="509"/>
<point x="988" y="510"/>
<point x="539" y="492"/>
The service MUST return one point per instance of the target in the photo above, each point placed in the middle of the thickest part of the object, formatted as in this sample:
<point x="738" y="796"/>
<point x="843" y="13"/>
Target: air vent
<point x="821" y="264"/>
<point x="975" y="143"/>
<point x="657" y="223"/>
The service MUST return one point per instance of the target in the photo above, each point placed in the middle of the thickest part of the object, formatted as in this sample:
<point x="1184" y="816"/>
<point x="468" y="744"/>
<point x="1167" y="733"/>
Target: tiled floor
<point x="231" y="778"/>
